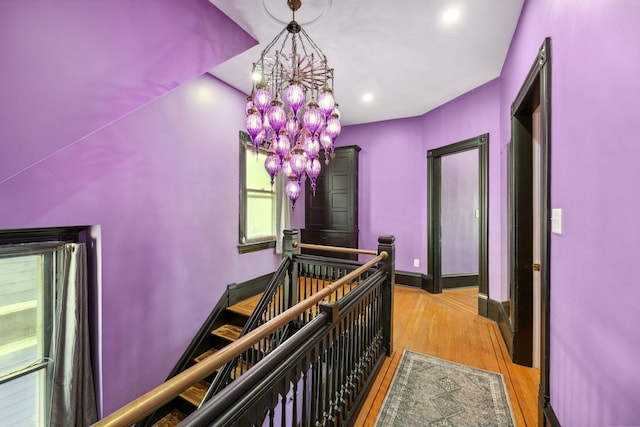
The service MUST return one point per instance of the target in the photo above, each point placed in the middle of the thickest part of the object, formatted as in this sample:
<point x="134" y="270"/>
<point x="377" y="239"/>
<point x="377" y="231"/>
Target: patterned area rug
<point x="427" y="391"/>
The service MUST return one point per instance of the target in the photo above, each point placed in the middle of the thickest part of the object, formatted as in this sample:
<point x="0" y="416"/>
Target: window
<point x="257" y="200"/>
<point x="26" y="323"/>
<point x="44" y="329"/>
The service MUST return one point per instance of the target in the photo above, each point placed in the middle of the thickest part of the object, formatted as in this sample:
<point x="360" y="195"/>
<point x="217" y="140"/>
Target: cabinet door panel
<point x="340" y="183"/>
<point x="335" y="205"/>
<point x="339" y="200"/>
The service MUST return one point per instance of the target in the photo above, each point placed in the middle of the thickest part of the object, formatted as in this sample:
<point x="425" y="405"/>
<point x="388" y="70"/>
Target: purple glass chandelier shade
<point x="253" y="124"/>
<point x="312" y="117"/>
<point x="259" y="139"/>
<point x="286" y="168"/>
<point x="325" y="140"/>
<point x="313" y="171"/>
<point x="276" y="115"/>
<point x="262" y="99"/>
<point x="273" y="164"/>
<point x="333" y="127"/>
<point x="292" y="126"/>
<point x="293" y="190"/>
<point x="282" y="145"/>
<point x="326" y="102"/>
<point x="298" y="161"/>
<point x="312" y="147"/>
<point x="250" y="106"/>
<point x="292" y="107"/>
<point x="295" y="97"/>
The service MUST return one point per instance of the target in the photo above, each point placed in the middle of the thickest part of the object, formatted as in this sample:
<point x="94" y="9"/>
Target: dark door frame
<point x="535" y="91"/>
<point x="434" y="252"/>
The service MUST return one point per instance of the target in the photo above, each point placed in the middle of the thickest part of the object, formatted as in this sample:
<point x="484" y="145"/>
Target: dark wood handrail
<point x="253" y="322"/>
<point x="333" y="249"/>
<point x="165" y="392"/>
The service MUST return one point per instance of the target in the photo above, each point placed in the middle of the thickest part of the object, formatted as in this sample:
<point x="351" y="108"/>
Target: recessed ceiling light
<point x="451" y="15"/>
<point x="367" y="97"/>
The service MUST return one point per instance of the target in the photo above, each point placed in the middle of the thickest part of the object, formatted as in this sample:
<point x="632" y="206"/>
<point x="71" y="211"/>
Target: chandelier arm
<point x="295" y="66"/>
<point x="306" y="54"/>
<point x="313" y="44"/>
<point x="326" y="72"/>
<point x="272" y="43"/>
<point x="312" y="61"/>
<point x="331" y="71"/>
<point x="279" y="65"/>
<point x="313" y="76"/>
<point x="284" y="42"/>
<point x="304" y="48"/>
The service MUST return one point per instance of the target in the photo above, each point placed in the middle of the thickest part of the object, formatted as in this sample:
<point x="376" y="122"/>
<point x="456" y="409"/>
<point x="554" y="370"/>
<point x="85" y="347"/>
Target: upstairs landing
<point x="447" y="326"/>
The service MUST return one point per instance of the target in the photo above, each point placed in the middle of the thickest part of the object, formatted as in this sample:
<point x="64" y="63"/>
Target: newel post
<point x="387" y="243"/>
<point x="288" y="250"/>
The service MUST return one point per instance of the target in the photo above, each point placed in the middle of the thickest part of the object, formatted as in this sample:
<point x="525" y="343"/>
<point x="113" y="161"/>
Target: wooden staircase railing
<point x="321" y="375"/>
<point x="273" y="302"/>
<point x="282" y="293"/>
<point x="162" y="394"/>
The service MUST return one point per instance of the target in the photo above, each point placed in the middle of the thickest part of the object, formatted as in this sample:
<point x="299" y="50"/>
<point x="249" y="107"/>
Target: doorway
<point x="529" y="222"/>
<point x="459" y="214"/>
<point x="440" y="279"/>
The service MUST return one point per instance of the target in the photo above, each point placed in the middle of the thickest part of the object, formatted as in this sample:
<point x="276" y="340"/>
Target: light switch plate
<point x="556" y="221"/>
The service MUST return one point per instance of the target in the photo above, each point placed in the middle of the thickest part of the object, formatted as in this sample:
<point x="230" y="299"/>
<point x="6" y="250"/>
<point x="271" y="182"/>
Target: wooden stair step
<point x="228" y="332"/>
<point x="195" y="393"/>
<point x="245" y="307"/>
<point x="205" y="355"/>
<point x="242" y="367"/>
<point x="172" y="419"/>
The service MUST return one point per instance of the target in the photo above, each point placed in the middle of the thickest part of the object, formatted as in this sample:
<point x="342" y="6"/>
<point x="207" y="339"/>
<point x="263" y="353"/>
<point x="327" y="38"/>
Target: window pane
<point x="257" y="176"/>
<point x="22" y="340"/>
<point x="20" y="312"/>
<point x="21" y="401"/>
<point x="260" y="208"/>
<point x="18" y="279"/>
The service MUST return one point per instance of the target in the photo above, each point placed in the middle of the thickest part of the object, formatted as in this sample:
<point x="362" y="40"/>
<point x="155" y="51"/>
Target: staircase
<point x="229" y="329"/>
<point x="226" y="326"/>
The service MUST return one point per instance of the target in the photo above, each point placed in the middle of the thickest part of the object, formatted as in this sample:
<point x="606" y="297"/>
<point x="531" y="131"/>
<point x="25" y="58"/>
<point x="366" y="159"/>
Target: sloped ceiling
<point x="72" y="67"/>
<point x="403" y="54"/>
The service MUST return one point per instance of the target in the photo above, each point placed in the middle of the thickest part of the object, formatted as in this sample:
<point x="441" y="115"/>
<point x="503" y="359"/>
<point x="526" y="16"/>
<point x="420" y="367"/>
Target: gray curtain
<point x="73" y="394"/>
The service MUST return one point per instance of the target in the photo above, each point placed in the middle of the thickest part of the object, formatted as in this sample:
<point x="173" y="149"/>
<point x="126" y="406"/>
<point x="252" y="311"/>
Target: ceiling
<point x="401" y="53"/>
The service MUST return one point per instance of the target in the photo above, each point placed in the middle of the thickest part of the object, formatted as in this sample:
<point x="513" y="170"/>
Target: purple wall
<point x="151" y="180"/>
<point x="468" y="116"/>
<point x="595" y="342"/>
<point x="71" y="67"/>
<point x="392" y="177"/>
<point x="460" y="202"/>
<point x="393" y="173"/>
<point x="595" y="339"/>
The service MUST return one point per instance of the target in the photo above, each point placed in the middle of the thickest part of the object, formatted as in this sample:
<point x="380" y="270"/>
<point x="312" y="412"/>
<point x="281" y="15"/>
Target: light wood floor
<point x="447" y="326"/>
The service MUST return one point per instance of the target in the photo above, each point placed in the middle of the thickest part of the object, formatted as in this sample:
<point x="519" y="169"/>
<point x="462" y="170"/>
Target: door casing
<point x="434" y="256"/>
<point x="535" y="92"/>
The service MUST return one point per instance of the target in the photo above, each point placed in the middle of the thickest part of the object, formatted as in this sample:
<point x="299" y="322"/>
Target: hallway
<point x="448" y="327"/>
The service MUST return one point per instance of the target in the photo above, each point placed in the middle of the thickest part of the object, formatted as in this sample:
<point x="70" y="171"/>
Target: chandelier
<point x="291" y="108"/>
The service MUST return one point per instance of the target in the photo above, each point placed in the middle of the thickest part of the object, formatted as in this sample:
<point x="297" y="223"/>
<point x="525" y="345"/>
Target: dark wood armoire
<point x="331" y="216"/>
